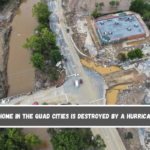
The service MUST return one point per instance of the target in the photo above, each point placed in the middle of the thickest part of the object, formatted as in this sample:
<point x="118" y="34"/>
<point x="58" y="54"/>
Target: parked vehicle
<point x="65" y="59"/>
<point x="77" y="74"/>
<point x="76" y="83"/>
<point x="35" y="103"/>
<point x="67" y="30"/>
<point x="81" y="81"/>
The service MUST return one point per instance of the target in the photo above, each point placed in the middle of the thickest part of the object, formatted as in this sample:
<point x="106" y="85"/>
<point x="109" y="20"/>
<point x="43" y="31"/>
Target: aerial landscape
<point x="76" y="52"/>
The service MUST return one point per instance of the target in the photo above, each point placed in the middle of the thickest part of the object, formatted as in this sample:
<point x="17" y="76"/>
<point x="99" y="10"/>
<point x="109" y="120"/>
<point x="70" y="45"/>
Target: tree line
<point x="133" y="54"/>
<point x="43" y="43"/>
<point x="143" y="8"/>
<point x="13" y="139"/>
<point x="75" y="139"/>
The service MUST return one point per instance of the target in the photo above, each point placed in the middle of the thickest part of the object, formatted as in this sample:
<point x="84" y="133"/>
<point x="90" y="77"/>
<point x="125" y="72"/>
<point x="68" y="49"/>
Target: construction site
<point x="100" y="41"/>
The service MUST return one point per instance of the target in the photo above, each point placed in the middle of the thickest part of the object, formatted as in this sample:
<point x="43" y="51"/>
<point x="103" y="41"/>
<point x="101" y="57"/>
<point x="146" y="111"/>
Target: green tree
<point x="38" y="61"/>
<point x="101" y="4"/>
<point x="32" y="140"/>
<point x="96" y="5"/>
<point x="146" y="15"/>
<point x="40" y="12"/>
<point x="48" y="36"/>
<point x="95" y="13"/>
<point x="66" y="141"/>
<point x="41" y="26"/>
<point x="112" y="3"/>
<point x="117" y="3"/>
<point x="122" y="56"/>
<point x="76" y="139"/>
<point x="137" y="6"/>
<point x="34" y="43"/>
<point x="135" y="54"/>
<point x="13" y="139"/>
<point x="55" y="56"/>
<point x="129" y="135"/>
<point x="139" y="53"/>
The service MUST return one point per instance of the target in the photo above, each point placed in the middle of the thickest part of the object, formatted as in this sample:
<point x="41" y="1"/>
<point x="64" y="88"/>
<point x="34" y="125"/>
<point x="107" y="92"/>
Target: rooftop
<point x="120" y="26"/>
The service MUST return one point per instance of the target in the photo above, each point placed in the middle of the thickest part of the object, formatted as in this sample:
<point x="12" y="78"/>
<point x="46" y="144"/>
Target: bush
<point x="53" y="74"/>
<point x="44" y="103"/>
<point x="122" y="56"/>
<point x="95" y="13"/>
<point x="135" y="54"/>
<point x="129" y="136"/>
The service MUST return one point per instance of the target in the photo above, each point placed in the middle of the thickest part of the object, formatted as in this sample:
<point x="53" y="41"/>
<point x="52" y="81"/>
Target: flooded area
<point x="112" y="94"/>
<point x="43" y="135"/>
<point x="20" y="73"/>
<point x="103" y="71"/>
<point x="90" y="6"/>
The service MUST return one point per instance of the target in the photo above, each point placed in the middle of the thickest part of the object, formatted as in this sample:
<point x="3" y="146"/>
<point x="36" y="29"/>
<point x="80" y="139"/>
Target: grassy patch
<point x="67" y="21"/>
<point x="81" y="56"/>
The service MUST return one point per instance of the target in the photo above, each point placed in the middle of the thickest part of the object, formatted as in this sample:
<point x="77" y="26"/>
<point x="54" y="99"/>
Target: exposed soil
<point x="131" y="144"/>
<point x="44" y="81"/>
<point x="123" y="77"/>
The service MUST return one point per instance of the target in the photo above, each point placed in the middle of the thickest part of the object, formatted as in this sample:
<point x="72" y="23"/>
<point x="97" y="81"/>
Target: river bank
<point x="4" y="44"/>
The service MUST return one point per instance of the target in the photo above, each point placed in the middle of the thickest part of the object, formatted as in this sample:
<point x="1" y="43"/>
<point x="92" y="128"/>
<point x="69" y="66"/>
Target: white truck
<point x="76" y="83"/>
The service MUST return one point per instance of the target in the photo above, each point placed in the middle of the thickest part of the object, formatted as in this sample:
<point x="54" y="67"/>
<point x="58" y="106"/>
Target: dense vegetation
<point x="143" y="8"/>
<point x="76" y="139"/>
<point x="3" y="1"/>
<point x="43" y="44"/>
<point x="13" y="139"/>
<point x="131" y="55"/>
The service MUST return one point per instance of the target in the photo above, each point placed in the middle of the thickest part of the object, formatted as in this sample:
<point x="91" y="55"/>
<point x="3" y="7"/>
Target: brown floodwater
<point x="20" y="72"/>
<point x="43" y="135"/>
<point x="102" y="70"/>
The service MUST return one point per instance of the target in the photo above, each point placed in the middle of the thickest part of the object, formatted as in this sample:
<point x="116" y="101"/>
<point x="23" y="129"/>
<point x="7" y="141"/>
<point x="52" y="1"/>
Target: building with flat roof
<point x="119" y="28"/>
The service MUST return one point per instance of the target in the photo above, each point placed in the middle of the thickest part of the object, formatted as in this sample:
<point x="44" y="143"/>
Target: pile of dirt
<point x="123" y="77"/>
<point x="130" y="144"/>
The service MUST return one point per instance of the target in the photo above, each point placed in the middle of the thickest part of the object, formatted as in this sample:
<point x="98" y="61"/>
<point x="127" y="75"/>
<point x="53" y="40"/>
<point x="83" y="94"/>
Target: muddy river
<point x="20" y="72"/>
<point x="43" y="135"/>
